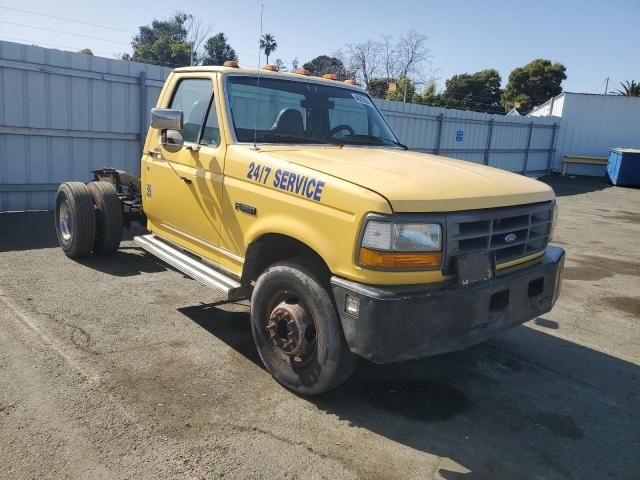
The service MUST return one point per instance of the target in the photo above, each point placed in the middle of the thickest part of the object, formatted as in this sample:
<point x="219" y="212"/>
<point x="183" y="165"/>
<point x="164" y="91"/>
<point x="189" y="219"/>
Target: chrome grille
<point x="510" y="232"/>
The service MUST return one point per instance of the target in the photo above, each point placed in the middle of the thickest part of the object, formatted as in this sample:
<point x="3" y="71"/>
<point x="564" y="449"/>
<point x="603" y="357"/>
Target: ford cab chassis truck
<point x="292" y="191"/>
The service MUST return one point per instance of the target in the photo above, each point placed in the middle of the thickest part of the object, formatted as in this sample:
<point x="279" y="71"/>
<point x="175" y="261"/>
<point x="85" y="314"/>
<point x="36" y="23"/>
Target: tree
<point x="403" y="91"/>
<point x="378" y="87"/>
<point x="164" y="42"/>
<point x="294" y="64"/>
<point x="429" y="95"/>
<point x="533" y="84"/>
<point x="217" y="50"/>
<point x="268" y="44"/>
<point x="478" y="91"/>
<point x="364" y="60"/>
<point x="628" y="89"/>
<point x="86" y="51"/>
<point x="325" y="64"/>
<point x="196" y="33"/>
<point x="412" y="53"/>
<point x="282" y="67"/>
<point x="389" y="60"/>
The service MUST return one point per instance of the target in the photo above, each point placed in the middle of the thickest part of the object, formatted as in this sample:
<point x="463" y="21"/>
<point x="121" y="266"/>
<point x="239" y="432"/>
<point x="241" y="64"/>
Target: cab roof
<point x="266" y="73"/>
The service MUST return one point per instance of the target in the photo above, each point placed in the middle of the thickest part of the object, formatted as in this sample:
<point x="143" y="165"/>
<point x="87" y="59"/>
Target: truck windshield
<point x="270" y="110"/>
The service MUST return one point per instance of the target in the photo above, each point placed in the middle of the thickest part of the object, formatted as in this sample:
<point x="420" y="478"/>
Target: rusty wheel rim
<point x="290" y="329"/>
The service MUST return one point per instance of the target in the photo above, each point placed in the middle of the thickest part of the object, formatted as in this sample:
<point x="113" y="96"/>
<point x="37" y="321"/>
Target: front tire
<point x="297" y="330"/>
<point x="75" y="219"/>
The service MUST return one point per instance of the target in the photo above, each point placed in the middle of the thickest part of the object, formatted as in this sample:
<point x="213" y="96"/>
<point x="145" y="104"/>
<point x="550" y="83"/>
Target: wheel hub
<point x="64" y="221"/>
<point x="291" y="329"/>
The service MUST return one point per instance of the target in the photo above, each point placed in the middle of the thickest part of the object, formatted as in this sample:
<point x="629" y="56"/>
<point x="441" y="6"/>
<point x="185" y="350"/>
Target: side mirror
<point x="172" y="140"/>
<point x="166" y="119"/>
<point x="169" y="121"/>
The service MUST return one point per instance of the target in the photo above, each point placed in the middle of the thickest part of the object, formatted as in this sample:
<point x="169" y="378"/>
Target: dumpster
<point x="623" y="167"/>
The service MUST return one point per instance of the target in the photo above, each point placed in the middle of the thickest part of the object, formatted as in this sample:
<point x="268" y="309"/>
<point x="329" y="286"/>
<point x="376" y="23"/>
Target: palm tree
<point x="268" y="44"/>
<point x="629" y="89"/>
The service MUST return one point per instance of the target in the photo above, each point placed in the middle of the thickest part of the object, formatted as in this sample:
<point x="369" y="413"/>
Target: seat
<point x="289" y="122"/>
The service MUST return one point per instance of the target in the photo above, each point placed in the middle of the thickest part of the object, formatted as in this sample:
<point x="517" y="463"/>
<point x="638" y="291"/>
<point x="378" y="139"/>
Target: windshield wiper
<point x="372" y="140"/>
<point x="286" y="138"/>
<point x="401" y="145"/>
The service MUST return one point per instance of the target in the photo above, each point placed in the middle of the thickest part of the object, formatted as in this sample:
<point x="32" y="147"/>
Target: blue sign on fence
<point x="459" y="135"/>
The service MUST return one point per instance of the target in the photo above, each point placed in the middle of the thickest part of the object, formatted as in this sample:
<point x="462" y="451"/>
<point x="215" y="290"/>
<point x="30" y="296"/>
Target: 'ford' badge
<point x="510" y="238"/>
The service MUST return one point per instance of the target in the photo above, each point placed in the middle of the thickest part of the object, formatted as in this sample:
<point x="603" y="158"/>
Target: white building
<point x="591" y="125"/>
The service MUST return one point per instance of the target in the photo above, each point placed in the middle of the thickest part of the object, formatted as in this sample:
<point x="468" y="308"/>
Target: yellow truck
<point x="292" y="191"/>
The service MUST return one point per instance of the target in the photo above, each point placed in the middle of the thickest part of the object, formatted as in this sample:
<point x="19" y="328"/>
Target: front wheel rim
<point x="290" y="329"/>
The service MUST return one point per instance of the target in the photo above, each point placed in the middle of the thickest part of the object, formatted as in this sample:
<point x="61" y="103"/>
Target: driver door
<point x="184" y="189"/>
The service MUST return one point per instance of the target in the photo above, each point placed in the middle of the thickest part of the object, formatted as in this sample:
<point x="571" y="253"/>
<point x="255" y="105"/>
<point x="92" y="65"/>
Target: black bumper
<point x="400" y="323"/>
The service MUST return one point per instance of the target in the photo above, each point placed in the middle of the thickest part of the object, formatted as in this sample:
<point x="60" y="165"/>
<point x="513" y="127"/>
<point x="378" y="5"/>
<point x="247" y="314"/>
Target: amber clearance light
<point x="413" y="260"/>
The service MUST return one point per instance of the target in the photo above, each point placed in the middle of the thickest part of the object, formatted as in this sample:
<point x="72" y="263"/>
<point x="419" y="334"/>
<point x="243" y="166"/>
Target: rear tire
<point x="75" y="219"/>
<point x="109" y="220"/>
<point x="287" y="299"/>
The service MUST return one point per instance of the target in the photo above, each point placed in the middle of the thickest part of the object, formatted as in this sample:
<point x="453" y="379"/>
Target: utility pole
<point x="606" y="87"/>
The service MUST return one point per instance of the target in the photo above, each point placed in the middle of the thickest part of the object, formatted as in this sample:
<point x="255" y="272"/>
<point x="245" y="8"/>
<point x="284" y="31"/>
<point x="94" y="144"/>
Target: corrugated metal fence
<point x="63" y="114"/>
<point x="517" y="144"/>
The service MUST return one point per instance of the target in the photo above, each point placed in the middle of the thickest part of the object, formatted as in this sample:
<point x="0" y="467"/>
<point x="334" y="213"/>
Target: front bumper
<point x="401" y="323"/>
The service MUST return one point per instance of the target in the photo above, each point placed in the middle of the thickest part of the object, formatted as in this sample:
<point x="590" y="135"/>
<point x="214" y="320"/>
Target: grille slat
<point x="487" y="230"/>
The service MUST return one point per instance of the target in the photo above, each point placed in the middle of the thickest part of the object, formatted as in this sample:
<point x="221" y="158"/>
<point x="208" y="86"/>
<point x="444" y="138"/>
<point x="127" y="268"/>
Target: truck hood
<point x="418" y="182"/>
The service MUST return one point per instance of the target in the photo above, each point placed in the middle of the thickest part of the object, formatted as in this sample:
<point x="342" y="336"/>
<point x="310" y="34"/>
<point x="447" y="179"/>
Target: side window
<point x="192" y="97"/>
<point x="211" y="132"/>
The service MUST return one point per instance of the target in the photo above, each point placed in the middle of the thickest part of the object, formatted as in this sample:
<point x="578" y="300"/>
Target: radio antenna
<point x="257" y="104"/>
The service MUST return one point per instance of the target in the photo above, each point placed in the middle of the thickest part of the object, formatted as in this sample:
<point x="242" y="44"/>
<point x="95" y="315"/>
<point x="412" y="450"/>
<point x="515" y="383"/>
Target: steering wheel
<point x="338" y="128"/>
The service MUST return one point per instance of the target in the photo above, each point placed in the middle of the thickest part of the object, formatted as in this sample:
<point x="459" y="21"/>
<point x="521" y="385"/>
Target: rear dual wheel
<point x="297" y="330"/>
<point x="108" y="217"/>
<point x="88" y="218"/>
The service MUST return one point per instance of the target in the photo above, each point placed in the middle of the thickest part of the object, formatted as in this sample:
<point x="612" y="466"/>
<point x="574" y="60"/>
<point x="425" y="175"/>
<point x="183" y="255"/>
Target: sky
<point x="594" y="40"/>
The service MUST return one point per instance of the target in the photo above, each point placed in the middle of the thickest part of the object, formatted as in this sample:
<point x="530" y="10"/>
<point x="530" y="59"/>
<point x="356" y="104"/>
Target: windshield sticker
<point x="363" y="99"/>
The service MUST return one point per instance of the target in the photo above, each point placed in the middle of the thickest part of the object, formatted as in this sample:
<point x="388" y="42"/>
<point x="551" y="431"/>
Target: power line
<point x="62" y="32"/>
<point x="75" y="20"/>
<point x="66" y="19"/>
<point x="244" y="54"/>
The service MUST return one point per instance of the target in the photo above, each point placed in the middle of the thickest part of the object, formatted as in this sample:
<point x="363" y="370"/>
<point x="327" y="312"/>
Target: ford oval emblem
<point x="510" y="238"/>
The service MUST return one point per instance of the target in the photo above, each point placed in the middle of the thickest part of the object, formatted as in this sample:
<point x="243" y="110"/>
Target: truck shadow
<point x="126" y="262"/>
<point x="35" y="230"/>
<point x="524" y="405"/>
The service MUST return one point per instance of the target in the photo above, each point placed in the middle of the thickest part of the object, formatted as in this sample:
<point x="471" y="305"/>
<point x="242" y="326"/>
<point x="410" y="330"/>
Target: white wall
<point x="552" y="107"/>
<point x="592" y="125"/>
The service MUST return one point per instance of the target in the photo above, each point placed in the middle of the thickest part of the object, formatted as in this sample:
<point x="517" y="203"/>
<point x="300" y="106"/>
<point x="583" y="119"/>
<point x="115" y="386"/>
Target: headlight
<point x="403" y="237"/>
<point x="409" y="246"/>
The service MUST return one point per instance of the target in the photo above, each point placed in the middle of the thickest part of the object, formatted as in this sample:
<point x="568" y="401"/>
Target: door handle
<point x="168" y="162"/>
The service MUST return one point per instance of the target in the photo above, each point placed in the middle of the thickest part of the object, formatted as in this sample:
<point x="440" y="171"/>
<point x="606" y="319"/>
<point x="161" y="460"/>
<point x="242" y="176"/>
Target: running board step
<point x="194" y="268"/>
